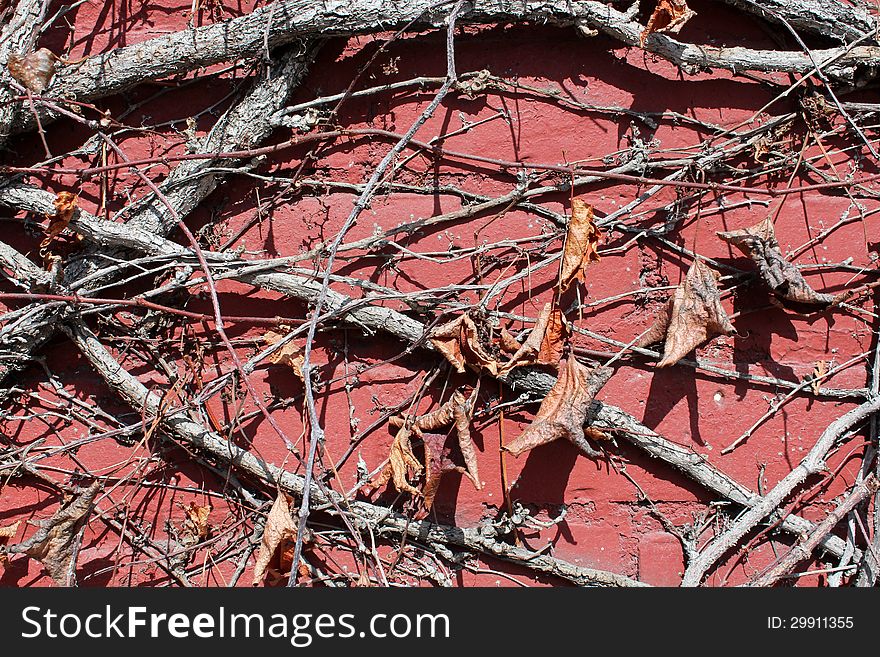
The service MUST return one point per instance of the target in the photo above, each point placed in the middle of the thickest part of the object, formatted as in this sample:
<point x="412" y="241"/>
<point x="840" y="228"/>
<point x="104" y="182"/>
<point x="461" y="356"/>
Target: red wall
<point x="606" y="526"/>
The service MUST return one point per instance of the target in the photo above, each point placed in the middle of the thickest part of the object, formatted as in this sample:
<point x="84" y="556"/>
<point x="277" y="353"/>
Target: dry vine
<point x="151" y="302"/>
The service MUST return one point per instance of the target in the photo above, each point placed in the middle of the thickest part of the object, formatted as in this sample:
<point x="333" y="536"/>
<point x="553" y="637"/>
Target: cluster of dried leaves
<point x="693" y="315"/>
<point x="428" y="446"/>
<point x="403" y="464"/>
<point x="469" y="342"/>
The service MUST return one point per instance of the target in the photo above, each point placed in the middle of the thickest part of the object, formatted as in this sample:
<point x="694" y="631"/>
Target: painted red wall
<point x="606" y="525"/>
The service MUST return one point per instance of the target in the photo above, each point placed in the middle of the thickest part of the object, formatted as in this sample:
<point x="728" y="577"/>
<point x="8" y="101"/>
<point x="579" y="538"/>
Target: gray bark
<point x="536" y="383"/>
<point x="828" y="18"/>
<point x="17" y="38"/>
<point x="242" y="127"/>
<point x="481" y="539"/>
<point x="288" y="20"/>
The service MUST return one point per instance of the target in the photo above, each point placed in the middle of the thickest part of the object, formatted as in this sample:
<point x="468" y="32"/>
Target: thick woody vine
<point x="282" y="507"/>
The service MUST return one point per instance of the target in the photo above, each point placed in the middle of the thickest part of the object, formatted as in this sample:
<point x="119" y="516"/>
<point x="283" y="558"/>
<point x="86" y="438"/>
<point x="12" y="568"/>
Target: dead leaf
<point x="7" y="533"/>
<point x="461" y="416"/>
<point x="545" y="343"/>
<point x="454" y="412"/>
<point x="402" y="464"/>
<point x="580" y="244"/>
<point x="819" y="371"/>
<point x="34" y="71"/>
<point x="459" y="342"/>
<point x="463" y="344"/>
<point x="437" y="463"/>
<point x="784" y="279"/>
<point x="56" y="543"/>
<point x="65" y="206"/>
<point x="817" y="111"/>
<point x="762" y="147"/>
<point x="556" y="334"/>
<point x="595" y="434"/>
<point x="508" y="342"/>
<point x="195" y="524"/>
<point x="692" y="316"/>
<point x="278" y="533"/>
<point x="564" y="410"/>
<point x="289" y="354"/>
<point x="668" y="18"/>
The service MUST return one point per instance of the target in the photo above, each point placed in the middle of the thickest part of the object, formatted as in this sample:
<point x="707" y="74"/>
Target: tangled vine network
<point x="373" y="293"/>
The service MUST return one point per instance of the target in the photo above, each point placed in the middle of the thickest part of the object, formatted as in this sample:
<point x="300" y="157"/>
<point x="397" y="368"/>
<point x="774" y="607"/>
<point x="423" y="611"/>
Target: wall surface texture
<point x="531" y="93"/>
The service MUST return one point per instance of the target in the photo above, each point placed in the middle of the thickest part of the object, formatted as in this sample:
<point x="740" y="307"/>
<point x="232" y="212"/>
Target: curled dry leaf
<point x="195" y="524"/>
<point x="788" y="285"/>
<point x="565" y="409"/>
<point x="456" y="412"/>
<point x="278" y="533"/>
<point x="669" y="17"/>
<point x="7" y="533"/>
<point x="403" y="464"/>
<point x="56" y="543"/>
<point x="460" y="342"/>
<point x="65" y="206"/>
<point x="34" y="71"/>
<point x="545" y="343"/>
<point x="692" y="316"/>
<point x="581" y="242"/>
<point x="461" y="416"/>
<point x="289" y="354"/>
<point x="508" y="342"/>
<point x="819" y="371"/>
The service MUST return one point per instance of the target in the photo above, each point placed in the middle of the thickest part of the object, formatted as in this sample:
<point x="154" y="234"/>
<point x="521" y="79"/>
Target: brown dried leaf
<point x="289" y="354"/>
<point x="437" y="463"/>
<point x="6" y="534"/>
<point x="65" y="206"/>
<point x="565" y="409"/>
<point x="819" y="371"/>
<point x="545" y="343"/>
<point x="279" y="532"/>
<point x="56" y="542"/>
<point x="692" y="316"/>
<point x="195" y="524"/>
<point x="34" y="71"/>
<point x="402" y="464"/>
<point x="580" y="244"/>
<point x="669" y="17"/>
<point x="555" y="337"/>
<point x="456" y="412"/>
<point x="461" y="415"/>
<point x="459" y="342"/>
<point x="595" y="434"/>
<point x="788" y="285"/>
<point x="508" y="342"/>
